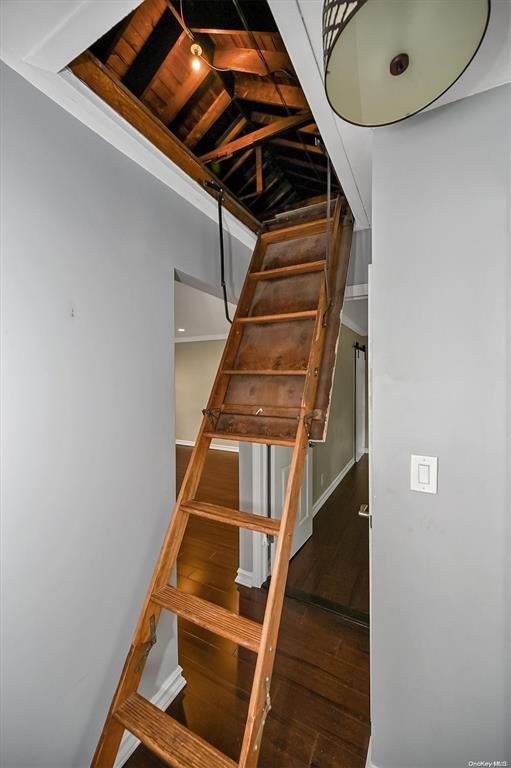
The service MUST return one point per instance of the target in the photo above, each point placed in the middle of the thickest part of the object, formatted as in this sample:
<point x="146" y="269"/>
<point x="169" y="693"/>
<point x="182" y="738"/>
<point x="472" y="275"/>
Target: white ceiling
<point x="350" y="146"/>
<point x="201" y="315"/>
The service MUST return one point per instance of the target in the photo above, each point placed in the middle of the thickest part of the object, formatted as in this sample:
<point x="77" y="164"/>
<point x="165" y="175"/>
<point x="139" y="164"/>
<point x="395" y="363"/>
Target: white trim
<point x="174" y="683"/>
<point x="333" y="485"/>
<point x="353" y="326"/>
<point x="233" y="448"/>
<point x="245" y="578"/>
<point x="369" y="762"/>
<point x="212" y="337"/>
<point x="354" y="292"/>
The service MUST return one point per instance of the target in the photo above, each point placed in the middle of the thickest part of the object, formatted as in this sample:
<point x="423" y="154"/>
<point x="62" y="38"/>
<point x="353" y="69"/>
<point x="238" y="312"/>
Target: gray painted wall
<point x="90" y="243"/>
<point x="441" y="382"/>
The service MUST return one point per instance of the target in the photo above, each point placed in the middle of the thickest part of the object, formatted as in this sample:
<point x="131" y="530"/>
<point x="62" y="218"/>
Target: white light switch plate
<point x="423" y="473"/>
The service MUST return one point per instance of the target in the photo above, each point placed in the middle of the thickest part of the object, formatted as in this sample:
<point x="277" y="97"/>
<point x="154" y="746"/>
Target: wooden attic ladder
<point x="273" y="386"/>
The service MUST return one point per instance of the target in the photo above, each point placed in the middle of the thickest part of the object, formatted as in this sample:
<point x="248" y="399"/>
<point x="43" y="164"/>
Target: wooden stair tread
<point x="244" y="438"/>
<point x="274" y="411"/>
<point x="289" y="271"/>
<point x="264" y="372"/>
<point x="278" y="318"/>
<point x="232" y="517"/>
<point x="213" y="617"/>
<point x="166" y="738"/>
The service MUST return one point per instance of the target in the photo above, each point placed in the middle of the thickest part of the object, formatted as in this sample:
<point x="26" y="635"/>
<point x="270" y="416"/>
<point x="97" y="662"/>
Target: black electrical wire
<point x="220" y="199"/>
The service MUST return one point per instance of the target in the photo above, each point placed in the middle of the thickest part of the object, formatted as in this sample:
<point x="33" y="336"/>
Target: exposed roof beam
<point x="105" y="85"/>
<point x="255" y="89"/>
<point x="239" y="162"/>
<point x="236" y="129"/>
<point x="209" y="117"/>
<point x="304" y="164"/>
<point x="311" y="128"/>
<point x="256" y="137"/>
<point x="297" y="145"/>
<point x="248" y="60"/>
<point x="259" y="168"/>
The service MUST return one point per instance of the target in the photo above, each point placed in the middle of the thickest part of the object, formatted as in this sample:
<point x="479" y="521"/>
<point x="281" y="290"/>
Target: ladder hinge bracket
<point x="213" y="415"/>
<point x="152" y="641"/>
<point x="266" y="711"/>
<point x="270" y="538"/>
<point x="308" y="418"/>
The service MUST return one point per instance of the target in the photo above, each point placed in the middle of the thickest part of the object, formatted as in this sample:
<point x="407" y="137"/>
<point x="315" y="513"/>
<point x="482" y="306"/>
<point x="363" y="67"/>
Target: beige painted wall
<point x="331" y="457"/>
<point x="196" y="366"/>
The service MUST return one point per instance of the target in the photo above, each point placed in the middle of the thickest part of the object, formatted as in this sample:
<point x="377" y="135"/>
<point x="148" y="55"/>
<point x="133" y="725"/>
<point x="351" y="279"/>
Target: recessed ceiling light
<point x="181" y="330"/>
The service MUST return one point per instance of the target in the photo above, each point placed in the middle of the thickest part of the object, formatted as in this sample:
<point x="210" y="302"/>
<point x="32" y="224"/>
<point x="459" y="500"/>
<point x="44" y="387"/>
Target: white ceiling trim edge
<point x="353" y="326"/>
<point x="210" y="337"/>
<point x="287" y="14"/>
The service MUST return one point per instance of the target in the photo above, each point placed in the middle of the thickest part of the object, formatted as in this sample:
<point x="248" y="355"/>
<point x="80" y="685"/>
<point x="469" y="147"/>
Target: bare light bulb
<point x="196" y="52"/>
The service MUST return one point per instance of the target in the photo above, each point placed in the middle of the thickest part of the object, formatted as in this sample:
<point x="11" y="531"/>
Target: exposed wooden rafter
<point x="252" y="88"/>
<point x="259" y="168"/>
<point x="249" y="61"/>
<point x="256" y="137"/>
<point x="301" y="147"/>
<point x="209" y="117"/>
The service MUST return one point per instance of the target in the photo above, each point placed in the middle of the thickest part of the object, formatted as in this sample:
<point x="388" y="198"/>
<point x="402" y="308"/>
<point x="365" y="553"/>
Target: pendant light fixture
<point x="386" y="60"/>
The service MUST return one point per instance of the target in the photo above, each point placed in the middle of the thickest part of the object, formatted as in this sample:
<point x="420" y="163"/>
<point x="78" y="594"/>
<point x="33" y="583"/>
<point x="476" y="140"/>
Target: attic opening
<point x="213" y="87"/>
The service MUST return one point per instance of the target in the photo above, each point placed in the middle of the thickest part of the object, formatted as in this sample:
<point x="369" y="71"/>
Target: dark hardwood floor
<point x="332" y="568"/>
<point x="320" y="687"/>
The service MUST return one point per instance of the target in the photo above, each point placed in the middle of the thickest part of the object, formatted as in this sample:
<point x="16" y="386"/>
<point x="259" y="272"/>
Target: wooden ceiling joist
<point x="304" y="164"/>
<point x="249" y="61"/>
<point x="239" y="162"/>
<point x="301" y="147"/>
<point x="209" y="117"/>
<point x="259" y="168"/>
<point x="233" y="131"/>
<point x="256" y="137"/>
<point x="105" y="85"/>
<point x="252" y="88"/>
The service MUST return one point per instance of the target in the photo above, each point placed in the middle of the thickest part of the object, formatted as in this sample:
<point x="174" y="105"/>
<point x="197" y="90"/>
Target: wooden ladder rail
<point x="260" y="701"/>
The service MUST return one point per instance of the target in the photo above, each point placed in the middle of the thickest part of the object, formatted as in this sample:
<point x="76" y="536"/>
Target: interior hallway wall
<point x="441" y="386"/>
<point x="196" y="367"/>
<point x="90" y="243"/>
<point x="334" y="455"/>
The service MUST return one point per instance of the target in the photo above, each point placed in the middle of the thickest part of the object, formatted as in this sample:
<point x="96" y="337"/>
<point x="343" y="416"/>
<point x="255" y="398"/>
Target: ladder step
<point x="286" y="441"/>
<point x="278" y="318"/>
<point x="233" y="517"/>
<point x="264" y="372"/>
<point x="272" y="411"/>
<point x="213" y="617"/>
<point x="166" y="738"/>
<point x="289" y="271"/>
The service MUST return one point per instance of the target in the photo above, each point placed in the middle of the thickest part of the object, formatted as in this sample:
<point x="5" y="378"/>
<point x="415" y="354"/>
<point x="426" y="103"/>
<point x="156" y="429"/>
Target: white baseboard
<point x="234" y="448"/>
<point x="245" y="578"/>
<point x="333" y="485"/>
<point x="174" y="683"/>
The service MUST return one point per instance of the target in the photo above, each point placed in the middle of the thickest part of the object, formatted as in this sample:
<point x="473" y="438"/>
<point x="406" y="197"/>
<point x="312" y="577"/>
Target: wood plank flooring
<point x="332" y="568"/>
<point x="320" y="688"/>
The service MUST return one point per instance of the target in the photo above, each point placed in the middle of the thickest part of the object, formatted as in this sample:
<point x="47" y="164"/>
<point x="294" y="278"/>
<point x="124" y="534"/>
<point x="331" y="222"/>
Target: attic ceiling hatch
<point x="211" y="85"/>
